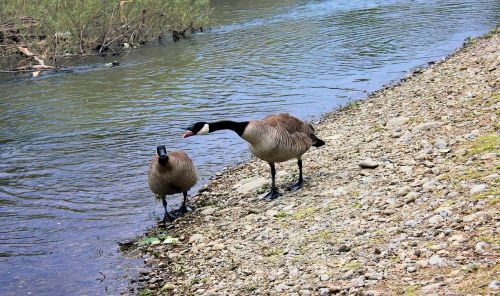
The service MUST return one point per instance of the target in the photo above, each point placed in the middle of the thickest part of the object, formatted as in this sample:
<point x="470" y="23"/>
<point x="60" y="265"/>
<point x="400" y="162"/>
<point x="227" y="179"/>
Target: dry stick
<point x="28" y="53"/>
<point x="109" y="29"/>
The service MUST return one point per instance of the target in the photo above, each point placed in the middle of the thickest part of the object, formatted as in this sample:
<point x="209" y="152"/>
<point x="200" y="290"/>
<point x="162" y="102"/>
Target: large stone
<point x="368" y="164"/>
<point x="478" y="188"/>
<point x="436" y="219"/>
<point x="427" y="126"/>
<point x="197" y="237"/>
<point x="429" y="288"/>
<point x="250" y="184"/>
<point x="441" y="143"/>
<point x="282" y="287"/>
<point x="437" y="261"/>
<point x="396" y="122"/>
<point x="208" y="211"/>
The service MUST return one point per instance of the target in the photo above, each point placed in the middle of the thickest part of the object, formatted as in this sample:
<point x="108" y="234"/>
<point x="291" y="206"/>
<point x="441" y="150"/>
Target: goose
<point x="170" y="174"/>
<point x="275" y="138"/>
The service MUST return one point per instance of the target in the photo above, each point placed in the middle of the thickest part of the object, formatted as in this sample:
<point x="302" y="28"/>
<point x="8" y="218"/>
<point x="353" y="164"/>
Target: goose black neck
<point x="163" y="160"/>
<point x="237" y="127"/>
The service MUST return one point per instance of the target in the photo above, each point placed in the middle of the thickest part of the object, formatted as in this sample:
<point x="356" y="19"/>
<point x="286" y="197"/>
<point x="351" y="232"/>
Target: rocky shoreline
<point x="402" y="200"/>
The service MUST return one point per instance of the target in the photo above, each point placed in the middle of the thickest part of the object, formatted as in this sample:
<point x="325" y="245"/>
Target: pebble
<point x="368" y="164"/>
<point x="431" y="287"/>
<point x="251" y="184"/>
<point x="197" y="237"/>
<point x="271" y="213"/>
<point x="436" y="260"/>
<point x="208" y="211"/>
<point x="441" y="143"/>
<point x="481" y="247"/>
<point x="411" y="269"/>
<point x="324" y="277"/>
<point x="436" y="219"/>
<point x="494" y="285"/>
<point x="427" y="126"/>
<point x="282" y="287"/>
<point x="396" y="122"/>
<point x="478" y="188"/>
<point x="324" y="291"/>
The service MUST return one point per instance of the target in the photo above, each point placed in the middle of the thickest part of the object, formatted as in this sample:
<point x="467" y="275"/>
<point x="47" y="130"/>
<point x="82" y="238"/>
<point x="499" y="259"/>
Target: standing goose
<point x="276" y="138"/>
<point x="171" y="174"/>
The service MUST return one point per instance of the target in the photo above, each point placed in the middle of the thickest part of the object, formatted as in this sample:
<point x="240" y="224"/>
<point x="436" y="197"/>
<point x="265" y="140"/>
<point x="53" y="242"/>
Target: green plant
<point x="58" y="27"/>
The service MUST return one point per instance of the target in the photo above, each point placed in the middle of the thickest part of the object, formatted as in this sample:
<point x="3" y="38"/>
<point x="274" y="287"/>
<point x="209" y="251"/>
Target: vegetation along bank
<point x="47" y="29"/>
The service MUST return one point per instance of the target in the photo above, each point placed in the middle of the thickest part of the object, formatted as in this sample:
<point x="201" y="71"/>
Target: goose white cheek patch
<point x="204" y="130"/>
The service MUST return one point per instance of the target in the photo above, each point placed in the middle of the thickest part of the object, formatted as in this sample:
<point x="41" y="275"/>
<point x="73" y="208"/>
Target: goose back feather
<point x="278" y="138"/>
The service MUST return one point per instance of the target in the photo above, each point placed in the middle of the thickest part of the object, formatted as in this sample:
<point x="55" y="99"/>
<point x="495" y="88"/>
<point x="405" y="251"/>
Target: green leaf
<point x="151" y="240"/>
<point x="171" y="240"/>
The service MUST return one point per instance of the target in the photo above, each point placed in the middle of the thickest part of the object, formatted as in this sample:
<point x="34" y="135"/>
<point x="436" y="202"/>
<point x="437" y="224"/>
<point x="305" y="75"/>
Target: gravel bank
<point x="403" y="199"/>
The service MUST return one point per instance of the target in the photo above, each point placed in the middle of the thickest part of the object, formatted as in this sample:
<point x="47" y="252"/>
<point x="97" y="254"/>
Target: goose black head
<point x="199" y="128"/>
<point x="161" y="151"/>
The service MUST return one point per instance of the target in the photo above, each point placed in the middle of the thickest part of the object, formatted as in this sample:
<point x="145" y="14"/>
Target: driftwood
<point x="41" y="63"/>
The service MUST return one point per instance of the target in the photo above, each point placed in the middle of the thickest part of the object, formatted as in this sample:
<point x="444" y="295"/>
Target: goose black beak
<point x="161" y="151"/>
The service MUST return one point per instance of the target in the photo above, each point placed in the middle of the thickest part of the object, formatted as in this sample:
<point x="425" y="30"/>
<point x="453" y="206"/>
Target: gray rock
<point x="481" y="247"/>
<point x="324" y="277"/>
<point x="396" y="122"/>
<point x="358" y="282"/>
<point x="436" y="219"/>
<point x="368" y="164"/>
<point x="436" y="260"/>
<point x="143" y="271"/>
<point x="197" y="237"/>
<point x="472" y="135"/>
<point x="404" y="190"/>
<point x="208" y="211"/>
<point x="282" y="287"/>
<point x="217" y="247"/>
<point x="411" y="197"/>
<point x="324" y="291"/>
<point x="212" y="293"/>
<point x="427" y="126"/>
<point x="411" y="269"/>
<point x="305" y="292"/>
<point x="494" y="285"/>
<point x="429" y="288"/>
<point x="271" y="213"/>
<point x="250" y="184"/>
<point x="478" y="188"/>
<point x="344" y="248"/>
<point x="347" y="275"/>
<point x="441" y="143"/>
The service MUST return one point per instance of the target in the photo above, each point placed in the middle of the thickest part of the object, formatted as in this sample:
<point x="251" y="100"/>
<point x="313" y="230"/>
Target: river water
<point x="75" y="148"/>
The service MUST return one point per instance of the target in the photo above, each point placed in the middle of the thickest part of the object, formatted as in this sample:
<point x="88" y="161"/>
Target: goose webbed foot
<point x="272" y="194"/>
<point x="167" y="218"/>
<point x="295" y="186"/>
<point x="183" y="210"/>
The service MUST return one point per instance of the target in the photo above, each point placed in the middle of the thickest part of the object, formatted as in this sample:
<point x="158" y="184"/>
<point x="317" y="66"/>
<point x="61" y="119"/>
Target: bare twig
<point x="109" y="29"/>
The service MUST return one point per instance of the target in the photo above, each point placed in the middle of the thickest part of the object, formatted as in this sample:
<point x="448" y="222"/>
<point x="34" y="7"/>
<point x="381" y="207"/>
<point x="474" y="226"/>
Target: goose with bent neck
<point x="275" y="138"/>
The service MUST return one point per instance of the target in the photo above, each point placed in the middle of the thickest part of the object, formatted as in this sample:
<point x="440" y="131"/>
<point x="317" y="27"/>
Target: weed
<point x="484" y="144"/>
<point x="303" y="213"/>
<point x="282" y="215"/>
<point x="273" y="252"/>
<point x="411" y="291"/>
